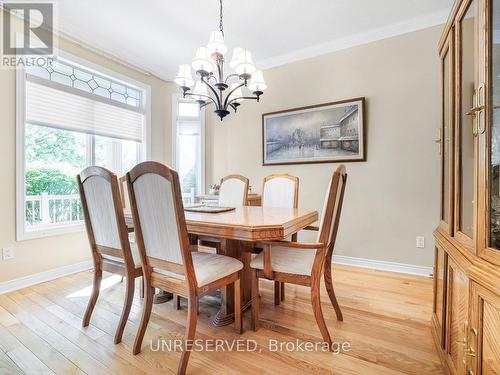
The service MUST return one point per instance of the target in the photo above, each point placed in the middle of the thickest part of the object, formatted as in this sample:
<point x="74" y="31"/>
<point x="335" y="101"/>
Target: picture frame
<point x="323" y="133"/>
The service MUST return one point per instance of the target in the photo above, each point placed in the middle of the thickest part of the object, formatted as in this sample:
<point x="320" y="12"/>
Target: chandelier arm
<point x="218" y="105"/>
<point x="229" y="94"/>
<point x="203" y="96"/>
<point x="205" y="104"/>
<point x="243" y="97"/>
<point x="230" y="76"/>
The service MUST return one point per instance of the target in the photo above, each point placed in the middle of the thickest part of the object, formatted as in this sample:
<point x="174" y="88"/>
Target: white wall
<point x="394" y="195"/>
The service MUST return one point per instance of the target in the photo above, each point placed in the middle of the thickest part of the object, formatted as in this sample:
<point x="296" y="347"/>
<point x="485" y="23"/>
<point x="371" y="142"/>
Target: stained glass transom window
<point x="73" y="76"/>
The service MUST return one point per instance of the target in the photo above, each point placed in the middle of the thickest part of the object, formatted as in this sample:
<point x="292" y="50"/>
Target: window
<point x="72" y="114"/>
<point x="189" y="147"/>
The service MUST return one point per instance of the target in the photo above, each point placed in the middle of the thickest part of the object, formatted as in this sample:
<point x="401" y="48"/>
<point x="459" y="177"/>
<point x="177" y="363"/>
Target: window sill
<point x="50" y="230"/>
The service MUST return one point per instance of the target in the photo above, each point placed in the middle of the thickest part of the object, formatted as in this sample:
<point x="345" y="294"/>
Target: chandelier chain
<point x="221" y="27"/>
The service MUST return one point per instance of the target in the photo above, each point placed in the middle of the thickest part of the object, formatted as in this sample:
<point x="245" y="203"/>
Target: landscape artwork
<point x="332" y="132"/>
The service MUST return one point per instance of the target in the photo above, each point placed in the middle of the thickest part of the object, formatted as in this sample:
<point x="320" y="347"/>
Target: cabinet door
<point x="446" y="135"/>
<point x="467" y="39"/>
<point x="483" y="350"/>
<point x="457" y="318"/>
<point x="489" y="143"/>
<point x="440" y="270"/>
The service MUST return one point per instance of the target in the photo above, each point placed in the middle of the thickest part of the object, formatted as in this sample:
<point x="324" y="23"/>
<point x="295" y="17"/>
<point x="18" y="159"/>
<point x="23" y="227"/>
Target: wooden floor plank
<point x="7" y="366"/>
<point x="386" y="322"/>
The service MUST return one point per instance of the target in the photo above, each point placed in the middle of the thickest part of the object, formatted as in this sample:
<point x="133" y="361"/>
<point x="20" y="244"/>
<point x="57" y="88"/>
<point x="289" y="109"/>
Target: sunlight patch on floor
<point x="106" y="283"/>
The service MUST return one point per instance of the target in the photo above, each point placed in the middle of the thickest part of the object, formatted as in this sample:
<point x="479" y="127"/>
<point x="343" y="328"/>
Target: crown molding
<point x="414" y="24"/>
<point x="127" y="63"/>
<point x="408" y="26"/>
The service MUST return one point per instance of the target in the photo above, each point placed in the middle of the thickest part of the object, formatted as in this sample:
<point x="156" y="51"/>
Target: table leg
<point x="239" y="250"/>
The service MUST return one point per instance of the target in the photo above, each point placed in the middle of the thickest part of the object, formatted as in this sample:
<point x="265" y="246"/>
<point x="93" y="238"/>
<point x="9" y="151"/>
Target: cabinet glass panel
<point x="446" y="139"/>
<point x="468" y="83"/>
<point x="494" y="172"/>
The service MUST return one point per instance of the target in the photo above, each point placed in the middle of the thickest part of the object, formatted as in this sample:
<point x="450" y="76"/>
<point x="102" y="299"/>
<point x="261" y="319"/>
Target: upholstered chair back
<point x="280" y="191"/>
<point x="330" y="215"/>
<point x="233" y="191"/>
<point x="99" y="205"/>
<point x="158" y="207"/>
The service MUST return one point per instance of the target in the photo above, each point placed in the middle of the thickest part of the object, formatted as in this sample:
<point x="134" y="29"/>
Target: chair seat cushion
<point x="135" y="255"/>
<point x="208" y="268"/>
<point x="211" y="267"/>
<point x="287" y="260"/>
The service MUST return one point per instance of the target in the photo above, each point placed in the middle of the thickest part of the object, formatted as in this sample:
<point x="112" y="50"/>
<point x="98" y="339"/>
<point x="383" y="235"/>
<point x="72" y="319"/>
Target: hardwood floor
<point x="386" y="323"/>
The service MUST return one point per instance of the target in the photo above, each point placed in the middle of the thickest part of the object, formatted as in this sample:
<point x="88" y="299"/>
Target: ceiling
<point x="158" y="35"/>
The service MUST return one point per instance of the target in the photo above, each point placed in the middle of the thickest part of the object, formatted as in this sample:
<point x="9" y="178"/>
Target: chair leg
<point x="238" y="322"/>
<point x="331" y="292"/>
<point x="176" y="300"/>
<point x="318" y="313"/>
<point x="129" y="297"/>
<point x="277" y="293"/>
<point x="282" y="291"/>
<point x="93" y="297"/>
<point x="141" y="291"/>
<point x="146" y="314"/>
<point x="255" y="301"/>
<point x="190" y="331"/>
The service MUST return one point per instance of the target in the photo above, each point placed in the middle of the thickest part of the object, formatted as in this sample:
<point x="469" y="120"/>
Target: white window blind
<point x="188" y="128"/>
<point x="58" y="106"/>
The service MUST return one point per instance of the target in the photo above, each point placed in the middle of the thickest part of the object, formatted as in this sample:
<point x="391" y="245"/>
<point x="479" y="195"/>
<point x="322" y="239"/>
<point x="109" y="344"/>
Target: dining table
<point x="239" y="231"/>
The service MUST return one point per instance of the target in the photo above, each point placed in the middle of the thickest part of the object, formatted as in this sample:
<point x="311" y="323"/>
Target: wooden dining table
<point x="238" y="231"/>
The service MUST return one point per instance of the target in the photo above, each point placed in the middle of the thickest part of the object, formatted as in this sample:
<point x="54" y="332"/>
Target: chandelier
<point x="212" y="86"/>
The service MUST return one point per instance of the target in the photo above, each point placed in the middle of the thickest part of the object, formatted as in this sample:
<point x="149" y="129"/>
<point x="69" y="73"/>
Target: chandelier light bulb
<point x="184" y="77"/>
<point x="257" y="82"/>
<point x="202" y="63"/>
<point x="200" y="89"/>
<point x="224" y="91"/>
<point x="245" y="66"/>
<point x="216" y="43"/>
<point x="236" y="57"/>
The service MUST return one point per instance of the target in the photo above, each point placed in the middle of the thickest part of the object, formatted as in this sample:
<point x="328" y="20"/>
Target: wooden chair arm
<point x="295" y="245"/>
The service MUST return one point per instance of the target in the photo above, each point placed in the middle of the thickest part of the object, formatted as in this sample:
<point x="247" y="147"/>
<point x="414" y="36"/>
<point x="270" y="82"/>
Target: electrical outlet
<point x="7" y="253"/>
<point x="420" y="242"/>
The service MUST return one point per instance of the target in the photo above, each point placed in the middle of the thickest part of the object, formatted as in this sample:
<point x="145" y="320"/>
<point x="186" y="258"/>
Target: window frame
<point x="59" y="229"/>
<point x="176" y="98"/>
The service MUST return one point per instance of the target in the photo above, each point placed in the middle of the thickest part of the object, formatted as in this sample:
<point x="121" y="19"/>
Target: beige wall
<point x="39" y="255"/>
<point x="392" y="197"/>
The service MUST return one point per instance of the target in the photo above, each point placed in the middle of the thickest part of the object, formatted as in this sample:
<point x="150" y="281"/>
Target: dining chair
<point x="304" y="263"/>
<point x="280" y="190"/>
<point x="108" y="238"/>
<point x="164" y="247"/>
<point x="233" y="192"/>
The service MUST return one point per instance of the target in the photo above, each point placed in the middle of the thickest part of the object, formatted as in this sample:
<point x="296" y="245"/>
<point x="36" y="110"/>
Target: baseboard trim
<point x="383" y="265"/>
<point x="24" y="282"/>
<point x="37" y="278"/>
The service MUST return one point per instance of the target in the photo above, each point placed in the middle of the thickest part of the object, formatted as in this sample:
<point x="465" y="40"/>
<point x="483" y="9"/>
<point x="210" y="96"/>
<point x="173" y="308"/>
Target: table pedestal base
<point x="162" y="297"/>
<point x="220" y="319"/>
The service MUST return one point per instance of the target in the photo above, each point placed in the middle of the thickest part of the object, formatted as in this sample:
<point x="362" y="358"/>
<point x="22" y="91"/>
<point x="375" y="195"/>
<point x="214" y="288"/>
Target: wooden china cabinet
<point x="466" y="318"/>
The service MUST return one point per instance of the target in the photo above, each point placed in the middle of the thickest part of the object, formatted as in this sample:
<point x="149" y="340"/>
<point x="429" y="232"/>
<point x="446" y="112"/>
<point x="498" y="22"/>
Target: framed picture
<point x="324" y="133"/>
